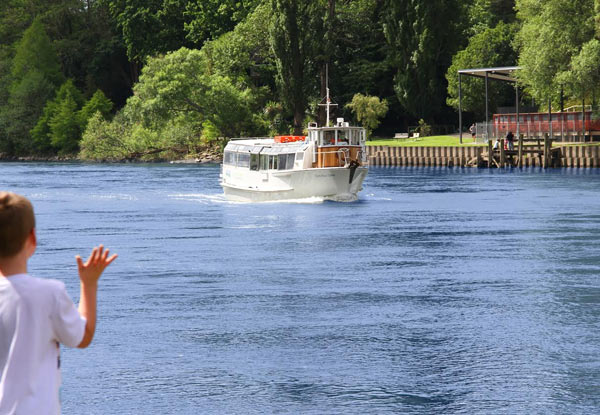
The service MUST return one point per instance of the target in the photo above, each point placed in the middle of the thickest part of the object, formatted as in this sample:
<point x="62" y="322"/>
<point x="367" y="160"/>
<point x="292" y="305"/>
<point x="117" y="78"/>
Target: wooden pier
<point x="522" y="155"/>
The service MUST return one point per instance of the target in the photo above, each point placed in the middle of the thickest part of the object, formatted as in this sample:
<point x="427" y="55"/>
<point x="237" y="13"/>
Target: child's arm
<point x="89" y="274"/>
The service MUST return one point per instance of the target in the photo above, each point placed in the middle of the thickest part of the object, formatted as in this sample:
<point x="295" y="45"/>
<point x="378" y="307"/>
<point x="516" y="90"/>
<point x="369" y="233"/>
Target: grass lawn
<point x="433" y="141"/>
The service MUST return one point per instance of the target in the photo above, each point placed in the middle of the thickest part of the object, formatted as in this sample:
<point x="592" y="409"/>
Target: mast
<point x="327" y="99"/>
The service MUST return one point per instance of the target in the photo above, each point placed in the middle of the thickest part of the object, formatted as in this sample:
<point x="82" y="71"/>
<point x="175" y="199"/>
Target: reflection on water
<point x="438" y="291"/>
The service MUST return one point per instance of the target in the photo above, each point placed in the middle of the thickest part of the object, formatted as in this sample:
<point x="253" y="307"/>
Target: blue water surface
<point x="439" y="291"/>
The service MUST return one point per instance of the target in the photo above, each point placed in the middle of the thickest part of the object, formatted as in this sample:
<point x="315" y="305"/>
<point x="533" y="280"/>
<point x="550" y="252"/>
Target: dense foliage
<point x="557" y="41"/>
<point x="114" y="79"/>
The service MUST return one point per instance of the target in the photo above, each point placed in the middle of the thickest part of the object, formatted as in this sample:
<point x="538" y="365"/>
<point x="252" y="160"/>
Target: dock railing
<point x="566" y="131"/>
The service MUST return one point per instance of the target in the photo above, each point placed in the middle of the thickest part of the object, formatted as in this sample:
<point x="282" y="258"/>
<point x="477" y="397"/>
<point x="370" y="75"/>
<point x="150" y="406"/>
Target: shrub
<point x="368" y="110"/>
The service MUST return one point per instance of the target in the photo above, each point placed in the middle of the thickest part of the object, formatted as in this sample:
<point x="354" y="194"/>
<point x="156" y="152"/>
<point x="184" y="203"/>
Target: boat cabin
<point x="261" y="157"/>
<point x="337" y="146"/>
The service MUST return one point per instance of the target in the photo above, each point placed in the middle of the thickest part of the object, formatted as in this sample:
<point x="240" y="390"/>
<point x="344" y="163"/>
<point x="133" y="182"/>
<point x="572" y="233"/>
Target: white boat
<point x="329" y="162"/>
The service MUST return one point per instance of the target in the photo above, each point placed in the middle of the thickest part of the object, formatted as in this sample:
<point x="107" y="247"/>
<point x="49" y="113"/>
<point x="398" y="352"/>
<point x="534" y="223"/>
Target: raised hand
<point x="90" y="271"/>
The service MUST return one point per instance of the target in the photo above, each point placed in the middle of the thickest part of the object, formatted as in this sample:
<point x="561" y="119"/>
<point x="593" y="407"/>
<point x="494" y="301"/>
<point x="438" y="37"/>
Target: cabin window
<point x="282" y="159"/>
<point x="571" y="117"/>
<point x="329" y="138"/>
<point x="286" y="161"/>
<point x="290" y="161"/>
<point x="264" y="162"/>
<point x="229" y="158"/>
<point x="254" y="162"/>
<point x="243" y="160"/>
<point x="300" y="156"/>
<point x="273" y="162"/>
<point x="342" y="139"/>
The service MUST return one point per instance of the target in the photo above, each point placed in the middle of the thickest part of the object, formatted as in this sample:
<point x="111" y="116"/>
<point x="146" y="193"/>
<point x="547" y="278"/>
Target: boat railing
<point x="361" y="155"/>
<point x="344" y="155"/>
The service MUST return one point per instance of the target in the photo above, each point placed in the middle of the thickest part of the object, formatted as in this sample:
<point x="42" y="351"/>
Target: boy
<point x="37" y="314"/>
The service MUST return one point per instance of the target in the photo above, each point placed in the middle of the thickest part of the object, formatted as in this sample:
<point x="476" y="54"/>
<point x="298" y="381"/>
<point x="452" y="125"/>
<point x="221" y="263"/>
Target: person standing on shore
<point x="510" y="141"/>
<point x="36" y="315"/>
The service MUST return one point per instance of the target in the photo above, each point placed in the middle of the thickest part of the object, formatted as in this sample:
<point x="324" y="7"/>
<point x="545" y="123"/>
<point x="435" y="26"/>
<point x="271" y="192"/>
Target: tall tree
<point x="150" y="27"/>
<point x="35" y="75"/>
<point x="296" y="29"/>
<point x="361" y="58"/>
<point x="423" y="35"/>
<point x="178" y="84"/>
<point x="486" y="14"/>
<point x="58" y="129"/>
<point x="97" y="103"/>
<point x="209" y="19"/>
<point x="489" y="48"/>
<point x="553" y="33"/>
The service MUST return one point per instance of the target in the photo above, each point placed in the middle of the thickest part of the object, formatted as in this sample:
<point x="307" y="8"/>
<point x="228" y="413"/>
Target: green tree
<point x="423" y="37"/>
<point x="210" y="19"/>
<point x="368" y="110"/>
<point x="486" y="14"/>
<point x="296" y="29"/>
<point x="552" y="35"/>
<point x="64" y="127"/>
<point x="106" y="140"/>
<point x="490" y="48"/>
<point x="244" y="54"/>
<point x="13" y="22"/>
<point x="97" y="103"/>
<point x="58" y="129"/>
<point x="35" y="74"/>
<point x="361" y="53"/>
<point x="176" y="104"/>
<point x="179" y="84"/>
<point x="150" y="27"/>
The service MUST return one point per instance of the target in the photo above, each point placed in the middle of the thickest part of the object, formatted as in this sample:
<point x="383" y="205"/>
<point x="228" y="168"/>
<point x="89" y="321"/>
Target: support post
<point x="490" y="154"/>
<point x="583" y="119"/>
<point x="487" y="128"/>
<point x="550" y="117"/>
<point x="520" y="160"/>
<point x="517" y="106"/>
<point x="460" y="129"/>
<point x="502" y="153"/>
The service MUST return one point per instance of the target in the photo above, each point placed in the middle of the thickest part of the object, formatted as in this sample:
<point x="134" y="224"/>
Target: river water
<point x="438" y="291"/>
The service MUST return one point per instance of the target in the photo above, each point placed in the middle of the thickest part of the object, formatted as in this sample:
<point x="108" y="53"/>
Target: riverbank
<point x="585" y="155"/>
<point x="211" y="153"/>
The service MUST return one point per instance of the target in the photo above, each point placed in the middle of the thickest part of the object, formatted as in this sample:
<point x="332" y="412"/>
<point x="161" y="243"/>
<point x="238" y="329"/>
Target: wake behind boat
<point x="329" y="162"/>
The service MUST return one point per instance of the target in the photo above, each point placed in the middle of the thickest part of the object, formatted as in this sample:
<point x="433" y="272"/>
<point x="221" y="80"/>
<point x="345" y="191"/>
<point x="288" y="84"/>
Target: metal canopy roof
<point x="504" y="73"/>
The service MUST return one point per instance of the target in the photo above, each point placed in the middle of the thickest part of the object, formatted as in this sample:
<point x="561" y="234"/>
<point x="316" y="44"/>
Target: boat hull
<point x="328" y="183"/>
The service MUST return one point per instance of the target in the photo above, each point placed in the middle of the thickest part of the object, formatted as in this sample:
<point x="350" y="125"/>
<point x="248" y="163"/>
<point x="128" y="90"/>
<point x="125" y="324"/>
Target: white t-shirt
<point x="35" y="316"/>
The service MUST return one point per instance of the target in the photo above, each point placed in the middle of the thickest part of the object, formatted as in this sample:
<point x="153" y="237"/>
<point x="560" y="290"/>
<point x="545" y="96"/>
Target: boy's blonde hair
<point x="16" y="222"/>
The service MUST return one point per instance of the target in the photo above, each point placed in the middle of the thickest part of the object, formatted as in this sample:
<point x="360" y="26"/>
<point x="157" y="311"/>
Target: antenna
<point x="327" y="99"/>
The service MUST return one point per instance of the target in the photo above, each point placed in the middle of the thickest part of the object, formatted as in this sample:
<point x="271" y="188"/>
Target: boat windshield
<point x="338" y="136"/>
